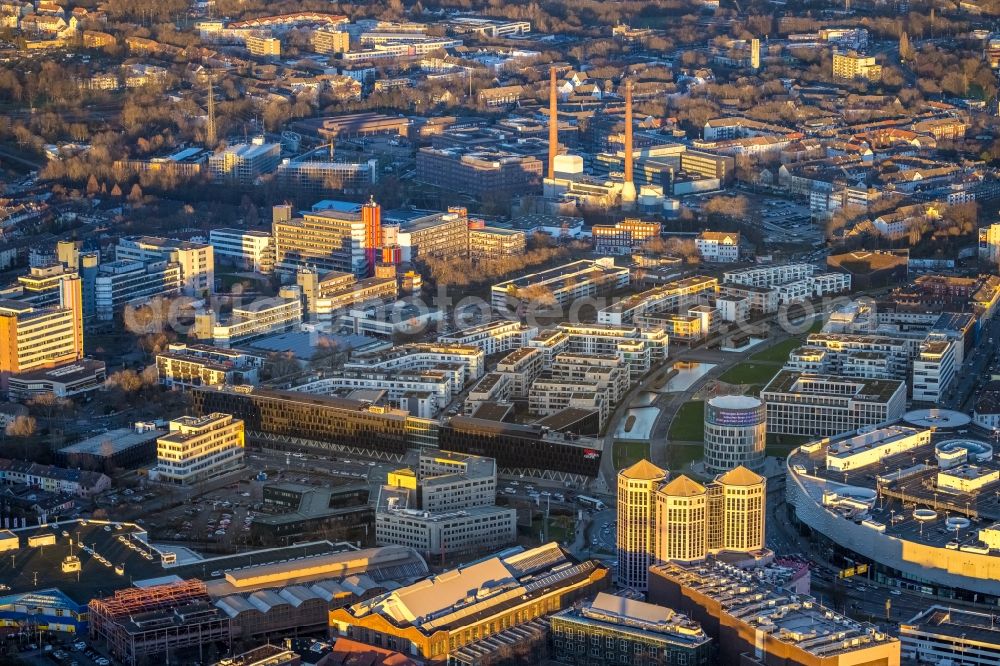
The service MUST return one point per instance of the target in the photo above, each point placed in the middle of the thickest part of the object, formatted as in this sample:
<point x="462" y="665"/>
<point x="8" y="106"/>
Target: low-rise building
<point x="185" y="366"/>
<point x="561" y="285"/>
<point x="248" y="322"/>
<point x="623" y="237"/>
<point x="618" y="631"/>
<point x="718" y="246"/>
<point x="943" y="634"/>
<point x="492" y="337"/>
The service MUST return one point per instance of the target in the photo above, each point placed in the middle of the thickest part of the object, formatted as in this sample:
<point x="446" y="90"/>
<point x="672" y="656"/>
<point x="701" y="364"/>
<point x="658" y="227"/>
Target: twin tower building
<point x="681" y="520"/>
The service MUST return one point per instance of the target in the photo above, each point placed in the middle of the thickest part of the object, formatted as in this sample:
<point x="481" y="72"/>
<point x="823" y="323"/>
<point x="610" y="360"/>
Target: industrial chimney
<point x="553" y="123"/>
<point x="628" y="187"/>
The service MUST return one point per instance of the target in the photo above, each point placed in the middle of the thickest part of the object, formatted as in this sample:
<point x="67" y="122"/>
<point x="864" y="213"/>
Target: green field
<point x="778" y="353"/>
<point x="680" y="456"/>
<point x="625" y="454"/>
<point x="689" y="423"/>
<point x="750" y="373"/>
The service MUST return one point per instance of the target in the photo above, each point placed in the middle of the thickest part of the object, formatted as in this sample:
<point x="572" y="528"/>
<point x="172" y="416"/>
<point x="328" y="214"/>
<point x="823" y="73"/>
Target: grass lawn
<point x="689" y="424"/>
<point x="679" y="455"/>
<point x="749" y="373"/>
<point x="561" y="528"/>
<point x="627" y="453"/>
<point x="817" y="325"/>
<point x="778" y="353"/>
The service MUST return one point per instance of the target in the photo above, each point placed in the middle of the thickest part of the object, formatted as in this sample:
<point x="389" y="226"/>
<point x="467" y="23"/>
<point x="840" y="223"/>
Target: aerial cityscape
<point x="470" y="333"/>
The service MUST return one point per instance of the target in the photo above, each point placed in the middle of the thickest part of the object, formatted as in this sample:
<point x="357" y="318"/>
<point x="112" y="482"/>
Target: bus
<point x="590" y="502"/>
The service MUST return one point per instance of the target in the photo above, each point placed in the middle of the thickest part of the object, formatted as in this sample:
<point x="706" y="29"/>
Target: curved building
<point x="681" y="514"/>
<point x="636" y="517"/>
<point x="735" y="433"/>
<point x="925" y="516"/>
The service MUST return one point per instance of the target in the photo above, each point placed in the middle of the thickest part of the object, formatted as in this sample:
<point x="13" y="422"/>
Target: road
<point x="975" y="371"/>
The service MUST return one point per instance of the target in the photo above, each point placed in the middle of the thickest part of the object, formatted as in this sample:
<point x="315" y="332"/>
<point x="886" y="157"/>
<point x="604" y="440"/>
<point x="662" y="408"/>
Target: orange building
<point x="37" y="338"/>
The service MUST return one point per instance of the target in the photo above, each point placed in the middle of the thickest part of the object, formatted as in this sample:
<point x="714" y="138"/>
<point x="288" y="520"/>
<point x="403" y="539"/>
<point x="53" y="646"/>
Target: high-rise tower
<point x="636" y="522"/>
<point x="628" y="187"/>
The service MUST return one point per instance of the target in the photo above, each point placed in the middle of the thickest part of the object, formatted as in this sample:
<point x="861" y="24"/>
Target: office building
<point x="443" y="535"/>
<point x="121" y="448"/>
<point x="317" y="422"/>
<point x="683" y="520"/>
<point x="718" y="246"/>
<point x="735" y="433"/>
<point x="63" y="381"/>
<point x="479" y="172"/>
<point x="185" y="366"/>
<point x="298" y="513"/>
<point x="333" y="293"/>
<point x="196" y="260"/>
<point x="561" y="285"/>
<point x="242" y="164"/>
<point x="199" y="449"/>
<point x="617" y="631"/>
<point x="934" y="369"/>
<point x="753" y="622"/>
<point x="409" y="235"/>
<point x="41" y="338"/>
<point x="441" y="615"/>
<point x="494" y="243"/>
<point x="528" y="450"/>
<point x="343" y="237"/>
<point x="826" y="405"/>
<point x="258" y="319"/>
<point x="945" y="634"/>
<point x="851" y="65"/>
<point x="41" y="285"/>
<point x="314" y="175"/>
<point x="121" y="283"/>
<point x="493" y="337"/>
<point x="636" y="506"/>
<point x="246" y="249"/>
<point x="623" y="237"/>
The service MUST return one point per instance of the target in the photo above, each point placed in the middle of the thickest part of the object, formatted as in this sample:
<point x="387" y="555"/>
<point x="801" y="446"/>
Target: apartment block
<point x="421" y="393"/>
<point x="199" y="448"/>
<point x="548" y="396"/>
<point x="673" y="296"/>
<point x="639" y="348"/>
<point x="493" y="337"/>
<point x="523" y="366"/>
<point x="493" y="388"/>
<point x="196" y="260"/>
<point x="561" y="285"/>
<point x="328" y="41"/>
<point x="851" y="65"/>
<point x="827" y="405"/>
<point x="934" y="369"/>
<point x="422" y="356"/>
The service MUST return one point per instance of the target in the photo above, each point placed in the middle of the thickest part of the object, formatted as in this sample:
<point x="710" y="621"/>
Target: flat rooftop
<point x="112" y="442"/>
<point x="955" y="623"/>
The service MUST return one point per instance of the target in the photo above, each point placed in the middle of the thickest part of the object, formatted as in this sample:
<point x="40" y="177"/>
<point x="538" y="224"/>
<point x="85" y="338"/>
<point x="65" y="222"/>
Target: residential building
<point x="748" y="617"/>
<point x="263" y="45"/>
<point x="735" y="433"/>
<point x="852" y="65"/>
<point x="443" y="614"/>
<point x="683" y="520"/>
<point x="242" y="164"/>
<point x="523" y="366"/>
<point x="423" y="356"/>
<point x="623" y="237"/>
<point x="718" y="246"/>
<point x="479" y="172"/>
<point x="120" y="283"/>
<point x="672" y="296"/>
<point x="185" y="366"/>
<point x="247" y="249"/>
<point x="827" y="405"/>
<point x="769" y="276"/>
<point x="422" y="393"/>
<point x="493" y="337"/>
<point x="41" y="338"/>
<point x="561" y="285"/>
<point x="328" y="41"/>
<point x="199" y="449"/>
<point x="196" y="260"/>
<point x="618" y="631"/>
<point x="989" y="244"/>
<point x="640" y="348"/>
<point x="75" y="482"/>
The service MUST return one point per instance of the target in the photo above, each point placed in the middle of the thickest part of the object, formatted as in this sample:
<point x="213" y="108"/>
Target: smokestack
<point x="628" y="187"/>
<point x="553" y="123"/>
